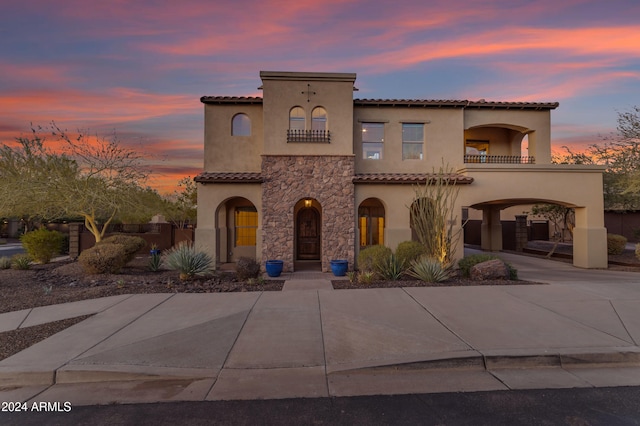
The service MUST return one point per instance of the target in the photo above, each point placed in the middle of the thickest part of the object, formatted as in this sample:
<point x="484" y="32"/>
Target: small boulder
<point x="494" y="269"/>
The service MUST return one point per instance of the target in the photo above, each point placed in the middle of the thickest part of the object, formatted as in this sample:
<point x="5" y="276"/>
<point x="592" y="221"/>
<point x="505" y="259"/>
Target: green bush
<point x="188" y="261"/>
<point x="21" y="261"/>
<point x="466" y="263"/>
<point x="392" y="269"/>
<point x="247" y="268"/>
<point x="371" y="258"/>
<point x="615" y="243"/>
<point x="132" y="245"/>
<point x="103" y="258"/>
<point x="5" y="262"/>
<point x="429" y="270"/>
<point x="42" y="244"/>
<point x="408" y="251"/>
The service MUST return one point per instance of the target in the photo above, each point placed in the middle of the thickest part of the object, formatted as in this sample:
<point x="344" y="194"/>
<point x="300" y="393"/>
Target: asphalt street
<point x="576" y="407"/>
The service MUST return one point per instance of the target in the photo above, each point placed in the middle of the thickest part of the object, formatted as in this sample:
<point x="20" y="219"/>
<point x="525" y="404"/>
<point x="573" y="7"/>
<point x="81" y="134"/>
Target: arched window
<point x="241" y="125"/>
<point x="371" y="222"/>
<point x="296" y="119"/>
<point x="319" y="119"/>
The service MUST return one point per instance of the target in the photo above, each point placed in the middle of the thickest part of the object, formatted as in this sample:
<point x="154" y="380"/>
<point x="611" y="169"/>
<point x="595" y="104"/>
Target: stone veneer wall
<point x="327" y="179"/>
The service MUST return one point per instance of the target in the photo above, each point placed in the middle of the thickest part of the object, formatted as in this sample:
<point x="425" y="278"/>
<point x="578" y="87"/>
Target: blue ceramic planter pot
<point x="339" y="267"/>
<point x="274" y="267"/>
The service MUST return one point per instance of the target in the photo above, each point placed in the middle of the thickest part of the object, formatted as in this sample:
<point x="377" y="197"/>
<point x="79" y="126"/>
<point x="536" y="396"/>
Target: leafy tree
<point x="86" y="176"/>
<point x="181" y="206"/>
<point x="620" y="153"/>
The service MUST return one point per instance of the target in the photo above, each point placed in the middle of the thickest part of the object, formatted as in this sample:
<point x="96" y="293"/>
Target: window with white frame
<point x="372" y="141"/>
<point x="412" y="141"/>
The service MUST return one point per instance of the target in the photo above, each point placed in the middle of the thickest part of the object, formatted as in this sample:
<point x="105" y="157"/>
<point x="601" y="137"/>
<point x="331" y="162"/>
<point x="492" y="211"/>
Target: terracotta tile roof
<point x="430" y="103"/>
<point x="439" y="103"/>
<point x="229" y="177"/>
<point x="411" y="102"/>
<point x="230" y="100"/>
<point x="406" y="178"/>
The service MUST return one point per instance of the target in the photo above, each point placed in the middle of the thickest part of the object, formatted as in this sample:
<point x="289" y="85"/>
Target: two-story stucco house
<point x="308" y="174"/>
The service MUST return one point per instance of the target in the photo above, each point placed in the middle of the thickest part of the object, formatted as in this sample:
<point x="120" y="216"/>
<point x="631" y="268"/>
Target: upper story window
<point x="319" y="119"/>
<point x="241" y="125"/>
<point x="296" y="119"/>
<point x="412" y="141"/>
<point x="372" y="140"/>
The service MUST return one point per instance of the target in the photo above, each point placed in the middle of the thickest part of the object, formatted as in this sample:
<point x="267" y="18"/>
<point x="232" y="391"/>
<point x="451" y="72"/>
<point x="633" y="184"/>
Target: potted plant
<point x="274" y="267"/>
<point x="154" y="249"/>
<point x="339" y="267"/>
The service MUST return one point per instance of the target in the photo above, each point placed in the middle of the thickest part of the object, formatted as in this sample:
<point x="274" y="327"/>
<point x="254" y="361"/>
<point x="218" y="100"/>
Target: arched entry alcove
<point x="236" y="229"/>
<point x="308" y="234"/>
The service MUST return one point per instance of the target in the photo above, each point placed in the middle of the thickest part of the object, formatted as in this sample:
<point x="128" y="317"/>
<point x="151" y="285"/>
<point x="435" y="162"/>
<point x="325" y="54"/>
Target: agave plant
<point x="187" y="260"/>
<point x="429" y="270"/>
<point x="391" y="268"/>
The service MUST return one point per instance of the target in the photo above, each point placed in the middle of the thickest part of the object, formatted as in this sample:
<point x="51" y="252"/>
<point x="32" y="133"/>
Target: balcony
<point x="308" y="136"/>
<point x="499" y="159"/>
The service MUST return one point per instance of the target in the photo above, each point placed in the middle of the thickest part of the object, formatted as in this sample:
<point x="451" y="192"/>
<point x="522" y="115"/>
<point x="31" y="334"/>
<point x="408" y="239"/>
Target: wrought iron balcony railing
<point x="309" y="136"/>
<point x="499" y="159"/>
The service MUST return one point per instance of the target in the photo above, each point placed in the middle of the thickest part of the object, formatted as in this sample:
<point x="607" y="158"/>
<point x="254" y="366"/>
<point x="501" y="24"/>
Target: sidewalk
<point x="580" y="330"/>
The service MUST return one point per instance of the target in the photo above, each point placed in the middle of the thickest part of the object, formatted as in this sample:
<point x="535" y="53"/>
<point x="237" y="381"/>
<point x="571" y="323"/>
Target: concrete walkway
<point x="580" y="329"/>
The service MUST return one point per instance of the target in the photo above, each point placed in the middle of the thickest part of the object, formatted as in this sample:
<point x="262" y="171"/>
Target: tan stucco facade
<point x="311" y="193"/>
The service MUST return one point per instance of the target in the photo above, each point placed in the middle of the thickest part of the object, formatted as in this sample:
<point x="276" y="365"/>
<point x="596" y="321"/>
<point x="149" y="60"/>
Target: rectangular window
<point x="372" y="140"/>
<point x="246" y="225"/>
<point x="412" y="141"/>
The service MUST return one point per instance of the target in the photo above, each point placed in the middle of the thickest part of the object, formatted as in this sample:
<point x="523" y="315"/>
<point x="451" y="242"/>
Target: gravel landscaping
<point x="64" y="281"/>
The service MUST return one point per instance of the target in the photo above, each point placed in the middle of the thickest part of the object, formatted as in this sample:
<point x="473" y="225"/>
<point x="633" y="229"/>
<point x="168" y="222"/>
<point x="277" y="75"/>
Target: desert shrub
<point x="132" y="245"/>
<point x="247" y="268"/>
<point x="21" y="261"/>
<point x="638" y="251"/>
<point x="188" y="261"/>
<point x="370" y="258"/>
<point x="5" y="262"/>
<point x="103" y="258"/>
<point x="155" y="262"/>
<point x="615" y="243"/>
<point x="429" y="270"/>
<point x="391" y="269"/>
<point x="366" y="277"/>
<point x="466" y="263"/>
<point x="42" y="244"/>
<point x="407" y="251"/>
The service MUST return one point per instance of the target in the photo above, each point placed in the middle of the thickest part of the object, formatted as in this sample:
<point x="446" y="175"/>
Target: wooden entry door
<point x="308" y="231"/>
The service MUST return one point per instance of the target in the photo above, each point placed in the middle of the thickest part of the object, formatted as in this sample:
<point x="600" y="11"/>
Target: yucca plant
<point x="429" y="270"/>
<point x="187" y="260"/>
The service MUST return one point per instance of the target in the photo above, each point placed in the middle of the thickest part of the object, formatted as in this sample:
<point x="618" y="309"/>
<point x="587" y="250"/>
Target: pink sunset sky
<point x="140" y="67"/>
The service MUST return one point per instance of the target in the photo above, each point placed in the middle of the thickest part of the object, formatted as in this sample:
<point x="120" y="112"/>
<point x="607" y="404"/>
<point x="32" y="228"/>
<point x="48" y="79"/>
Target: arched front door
<point x="308" y="234"/>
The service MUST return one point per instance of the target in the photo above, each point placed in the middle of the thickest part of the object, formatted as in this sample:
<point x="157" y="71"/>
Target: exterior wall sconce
<point x="307" y="203"/>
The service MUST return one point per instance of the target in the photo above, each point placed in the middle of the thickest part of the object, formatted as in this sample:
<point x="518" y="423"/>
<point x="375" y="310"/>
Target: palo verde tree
<point x="433" y="214"/>
<point x="85" y="176"/>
